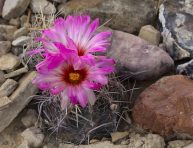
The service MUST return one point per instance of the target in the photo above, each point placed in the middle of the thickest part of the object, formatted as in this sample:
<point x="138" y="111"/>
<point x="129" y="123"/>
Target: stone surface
<point x="30" y="118"/>
<point x="33" y="136"/>
<point x="14" y="22"/>
<point x="125" y="15"/>
<point x="150" y="34"/>
<point x="5" y="47"/>
<point x="43" y="6"/>
<point x="8" y="87"/>
<point x="1" y="6"/>
<point x="179" y="143"/>
<point x="2" y="78"/>
<point x="6" y="32"/>
<point x="23" y="20"/>
<point x="9" y="62"/>
<point x="166" y="107"/>
<point x="13" y="9"/>
<point x="60" y="1"/>
<point x="142" y="60"/>
<point x="104" y="144"/>
<point x="118" y="136"/>
<point x="148" y="141"/>
<point x="20" y="98"/>
<point x="20" y="32"/>
<point x="16" y="72"/>
<point x="189" y="146"/>
<point x="186" y="69"/>
<point x="21" y="41"/>
<point x="176" y="18"/>
<point x="17" y="50"/>
<point x="4" y="101"/>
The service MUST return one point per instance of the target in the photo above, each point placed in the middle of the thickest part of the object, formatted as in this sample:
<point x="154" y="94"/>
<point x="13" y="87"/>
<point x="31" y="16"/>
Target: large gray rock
<point x="176" y="18"/>
<point x="179" y="143"/>
<point x="21" y="41"/>
<point x="14" y="8"/>
<point x="6" y="32"/>
<point x="139" y="58"/>
<point x="186" y="69"/>
<point x="20" y="98"/>
<point x="125" y="15"/>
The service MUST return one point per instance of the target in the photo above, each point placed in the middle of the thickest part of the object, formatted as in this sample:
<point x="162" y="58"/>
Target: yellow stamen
<point x="74" y="76"/>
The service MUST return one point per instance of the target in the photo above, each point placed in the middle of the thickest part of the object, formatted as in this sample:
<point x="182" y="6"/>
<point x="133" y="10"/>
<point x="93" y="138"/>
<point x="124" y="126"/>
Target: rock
<point x="20" y="32"/>
<point x="43" y="6"/>
<point x="20" y="98"/>
<point x="23" y="20"/>
<point x="142" y="60"/>
<point x="8" y="87"/>
<point x="4" y="101"/>
<point x="150" y="34"/>
<point x="124" y="15"/>
<point x="94" y="141"/>
<point x="166" y="107"/>
<point x="186" y="69"/>
<point x="24" y="144"/>
<point x="13" y="9"/>
<point x="1" y="6"/>
<point x="179" y="143"/>
<point x="14" y="22"/>
<point x="176" y="18"/>
<point x="17" y="50"/>
<point x="33" y="136"/>
<point x="9" y="62"/>
<point x="6" y="32"/>
<point x="148" y="141"/>
<point x="104" y="144"/>
<point x="5" y="47"/>
<point x="16" y="72"/>
<point x="189" y="146"/>
<point x="60" y="1"/>
<point x="30" y="118"/>
<point x="118" y="136"/>
<point x="2" y="78"/>
<point x="21" y="41"/>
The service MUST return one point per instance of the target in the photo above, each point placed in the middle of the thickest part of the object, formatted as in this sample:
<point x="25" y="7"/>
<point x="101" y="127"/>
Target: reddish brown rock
<point x="166" y="107"/>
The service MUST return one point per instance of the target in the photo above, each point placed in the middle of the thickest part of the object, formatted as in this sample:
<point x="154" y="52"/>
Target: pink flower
<point x="69" y="67"/>
<point x="74" y="85"/>
<point x="76" y="33"/>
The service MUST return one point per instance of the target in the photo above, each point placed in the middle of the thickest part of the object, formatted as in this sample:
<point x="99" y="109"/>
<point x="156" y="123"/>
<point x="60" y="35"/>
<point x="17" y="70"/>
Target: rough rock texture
<point x="125" y="15"/>
<point x="20" y="98"/>
<point x="8" y="87"/>
<point x="14" y="22"/>
<point x="118" y="136"/>
<point x="43" y="6"/>
<point x="4" y="101"/>
<point x="1" y="6"/>
<point x="186" y="69"/>
<point x="148" y="141"/>
<point x="60" y="1"/>
<point x="179" y="143"/>
<point x="166" y="106"/>
<point x="14" y="8"/>
<point x="20" y="32"/>
<point x="33" y="136"/>
<point x="177" y="22"/>
<point x="6" y="32"/>
<point x="5" y="47"/>
<point x="150" y="34"/>
<point x="21" y="41"/>
<point x="9" y="62"/>
<point x="104" y="144"/>
<point x="30" y="118"/>
<point x="135" y="55"/>
<point x="2" y="78"/>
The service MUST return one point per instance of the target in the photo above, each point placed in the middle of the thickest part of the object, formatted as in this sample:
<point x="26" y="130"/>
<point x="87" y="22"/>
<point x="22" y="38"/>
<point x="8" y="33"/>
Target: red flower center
<point x="74" y="77"/>
<point x="81" y="51"/>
